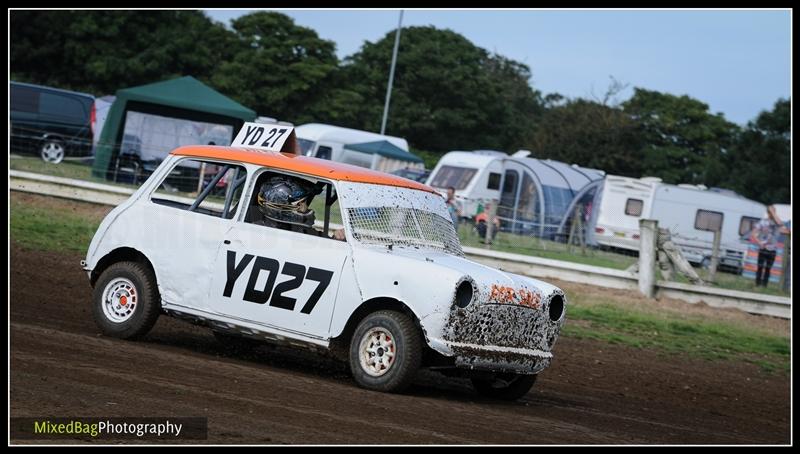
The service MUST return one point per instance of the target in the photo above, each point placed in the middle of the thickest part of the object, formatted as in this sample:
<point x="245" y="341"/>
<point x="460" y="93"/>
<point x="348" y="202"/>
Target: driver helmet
<point x="286" y="200"/>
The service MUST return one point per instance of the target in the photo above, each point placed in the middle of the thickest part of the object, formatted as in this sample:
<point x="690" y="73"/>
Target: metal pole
<point x="391" y="73"/>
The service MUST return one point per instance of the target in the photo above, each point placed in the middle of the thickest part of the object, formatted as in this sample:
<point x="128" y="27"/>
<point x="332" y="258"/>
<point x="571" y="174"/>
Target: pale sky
<point x="736" y="61"/>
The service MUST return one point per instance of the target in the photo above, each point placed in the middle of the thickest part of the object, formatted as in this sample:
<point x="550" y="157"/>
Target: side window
<point x="633" y="207"/>
<point x="708" y="220"/>
<point x="746" y="225"/>
<point x="298" y="204"/>
<point x="62" y="107"/>
<point x="24" y="99"/>
<point x="206" y="187"/>
<point x="494" y="181"/>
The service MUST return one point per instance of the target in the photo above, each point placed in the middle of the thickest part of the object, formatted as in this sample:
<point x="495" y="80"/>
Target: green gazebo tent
<point x="184" y="97"/>
<point x="384" y="148"/>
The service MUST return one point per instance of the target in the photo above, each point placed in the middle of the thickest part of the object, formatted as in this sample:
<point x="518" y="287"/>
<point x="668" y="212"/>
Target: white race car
<point x="379" y="278"/>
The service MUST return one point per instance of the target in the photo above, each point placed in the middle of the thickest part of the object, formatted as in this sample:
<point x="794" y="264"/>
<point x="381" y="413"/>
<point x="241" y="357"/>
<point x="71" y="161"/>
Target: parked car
<point x="396" y="295"/>
<point x="50" y="122"/>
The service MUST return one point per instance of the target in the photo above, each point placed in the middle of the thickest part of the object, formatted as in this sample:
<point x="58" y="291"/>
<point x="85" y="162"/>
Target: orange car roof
<point x="301" y="164"/>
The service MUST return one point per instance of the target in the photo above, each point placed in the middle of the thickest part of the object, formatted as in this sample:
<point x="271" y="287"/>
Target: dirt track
<point x="594" y="393"/>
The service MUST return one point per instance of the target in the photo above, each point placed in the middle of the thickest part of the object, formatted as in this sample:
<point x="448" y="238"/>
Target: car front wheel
<point x="385" y="351"/>
<point x="125" y="300"/>
<point x="505" y="386"/>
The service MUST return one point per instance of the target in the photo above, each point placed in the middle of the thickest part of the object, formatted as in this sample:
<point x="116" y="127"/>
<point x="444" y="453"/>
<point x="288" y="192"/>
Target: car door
<point x="278" y="280"/>
<point x="183" y="239"/>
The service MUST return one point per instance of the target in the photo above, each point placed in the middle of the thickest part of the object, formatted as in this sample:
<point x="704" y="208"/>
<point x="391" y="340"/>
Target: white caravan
<point x="690" y="212"/>
<point x="356" y="147"/>
<point x="534" y="194"/>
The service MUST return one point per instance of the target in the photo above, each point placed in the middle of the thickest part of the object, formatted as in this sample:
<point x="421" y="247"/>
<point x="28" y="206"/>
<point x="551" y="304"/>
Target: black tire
<point x="235" y="343"/>
<point x="139" y="320"/>
<point x="505" y="386"/>
<point x="405" y="343"/>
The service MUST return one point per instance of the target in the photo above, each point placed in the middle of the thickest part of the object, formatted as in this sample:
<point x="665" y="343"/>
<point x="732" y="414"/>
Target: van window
<point x="24" y="99"/>
<point x="494" y="181"/>
<point x="708" y="220"/>
<point x="746" y="225"/>
<point x="305" y="146"/>
<point x="62" y="107"/>
<point x="206" y="187"/>
<point x="457" y="177"/>
<point x="633" y="207"/>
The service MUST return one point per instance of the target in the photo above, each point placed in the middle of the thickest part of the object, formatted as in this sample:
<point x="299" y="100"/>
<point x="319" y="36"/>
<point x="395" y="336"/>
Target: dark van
<point x="50" y="122"/>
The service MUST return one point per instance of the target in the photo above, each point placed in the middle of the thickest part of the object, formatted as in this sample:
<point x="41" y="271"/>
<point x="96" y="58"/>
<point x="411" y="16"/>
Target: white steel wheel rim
<point x="53" y="152"/>
<point x="376" y="351"/>
<point x="120" y="299"/>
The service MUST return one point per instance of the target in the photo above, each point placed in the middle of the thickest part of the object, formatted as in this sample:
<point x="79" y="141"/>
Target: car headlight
<point x="464" y="294"/>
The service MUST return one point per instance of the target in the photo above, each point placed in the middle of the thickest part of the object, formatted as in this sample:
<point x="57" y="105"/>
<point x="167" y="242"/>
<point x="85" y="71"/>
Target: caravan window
<point x="746" y="225"/>
<point x="708" y="220"/>
<point x="494" y="181"/>
<point x="457" y="177"/>
<point x="633" y="207"/>
<point x="305" y="146"/>
<point x="324" y="152"/>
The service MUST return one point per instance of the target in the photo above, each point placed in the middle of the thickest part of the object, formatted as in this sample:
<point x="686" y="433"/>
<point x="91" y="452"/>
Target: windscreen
<point x="387" y="215"/>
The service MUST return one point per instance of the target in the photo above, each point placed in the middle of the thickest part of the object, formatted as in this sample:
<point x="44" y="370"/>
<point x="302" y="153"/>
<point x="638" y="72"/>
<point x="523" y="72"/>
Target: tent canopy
<point x="184" y="97"/>
<point x="188" y="93"/>
<point x="384" y="148"/>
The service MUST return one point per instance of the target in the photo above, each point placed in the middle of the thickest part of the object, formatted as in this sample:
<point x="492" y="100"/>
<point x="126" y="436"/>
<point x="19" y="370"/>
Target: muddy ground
<point x="594" y="393"/>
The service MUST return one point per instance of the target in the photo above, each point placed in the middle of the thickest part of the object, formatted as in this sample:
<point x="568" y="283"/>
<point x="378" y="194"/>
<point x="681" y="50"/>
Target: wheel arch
<point x="122" y="254"/>
<point x="341" y="343"/>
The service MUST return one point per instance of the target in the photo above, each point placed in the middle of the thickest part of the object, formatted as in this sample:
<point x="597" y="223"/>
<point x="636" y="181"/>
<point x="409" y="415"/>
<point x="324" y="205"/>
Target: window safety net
<point x="404" y="227"/>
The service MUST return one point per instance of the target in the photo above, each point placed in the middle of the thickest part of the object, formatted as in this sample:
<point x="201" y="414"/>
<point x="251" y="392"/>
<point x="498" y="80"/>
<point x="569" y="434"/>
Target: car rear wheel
<point x="125" y="300"/>
<point x="385" y="351"/>
<point x="504" y="386"/>
<point x="52" y="151"/>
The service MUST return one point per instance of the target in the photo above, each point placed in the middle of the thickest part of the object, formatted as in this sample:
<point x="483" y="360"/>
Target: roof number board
<point x="262" y="137"/>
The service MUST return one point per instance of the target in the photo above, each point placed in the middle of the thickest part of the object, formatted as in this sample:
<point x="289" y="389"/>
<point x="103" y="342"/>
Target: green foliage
<point x="447" y="93"/>
<point x="277" y="67"/>
<point x="590" y="134"/>
<point x="102" y="51"/>
<point x="683" y="142"/>
<point x="761" y="159"/>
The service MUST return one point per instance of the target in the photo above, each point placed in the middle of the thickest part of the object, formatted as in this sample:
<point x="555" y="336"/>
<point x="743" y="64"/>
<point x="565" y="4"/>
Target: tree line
<point x="448" y="94"/>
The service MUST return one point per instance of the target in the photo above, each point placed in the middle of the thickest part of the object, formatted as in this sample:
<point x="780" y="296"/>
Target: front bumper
<point x="503" y="337"/>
